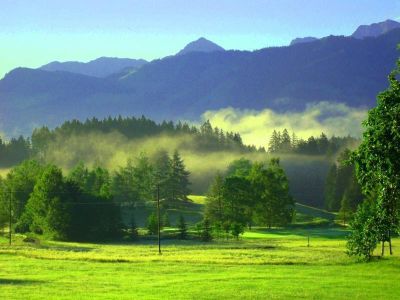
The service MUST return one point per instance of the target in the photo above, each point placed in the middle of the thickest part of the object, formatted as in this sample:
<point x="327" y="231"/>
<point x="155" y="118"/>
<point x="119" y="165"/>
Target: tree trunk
<point x="390" y="244"/>
<point x="383" y="248"/>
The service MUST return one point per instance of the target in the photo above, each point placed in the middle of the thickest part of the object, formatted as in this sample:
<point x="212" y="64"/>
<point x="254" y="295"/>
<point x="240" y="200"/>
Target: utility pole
<point x="10" y="220"/>
<point x="158" y="218"/>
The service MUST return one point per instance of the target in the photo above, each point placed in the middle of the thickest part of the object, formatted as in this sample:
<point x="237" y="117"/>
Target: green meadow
<point x="262" y="264"/>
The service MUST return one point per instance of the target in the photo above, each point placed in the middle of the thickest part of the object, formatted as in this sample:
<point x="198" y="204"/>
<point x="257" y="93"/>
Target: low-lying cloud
<point x="256" y="126"/>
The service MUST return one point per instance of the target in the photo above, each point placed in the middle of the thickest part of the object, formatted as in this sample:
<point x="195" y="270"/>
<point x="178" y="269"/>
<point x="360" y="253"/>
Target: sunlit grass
<point x="263" y="264"/>
<point x="197" y="199"/>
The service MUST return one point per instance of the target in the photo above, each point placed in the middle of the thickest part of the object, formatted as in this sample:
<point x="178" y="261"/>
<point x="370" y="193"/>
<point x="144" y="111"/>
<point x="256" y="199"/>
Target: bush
<point x="364" y="235"/>
<point x="152" y="224"/>
<point x="237" y="229"/>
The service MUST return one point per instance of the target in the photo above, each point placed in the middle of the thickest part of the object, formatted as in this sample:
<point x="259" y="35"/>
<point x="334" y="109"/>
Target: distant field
<point x="264" y="264"/>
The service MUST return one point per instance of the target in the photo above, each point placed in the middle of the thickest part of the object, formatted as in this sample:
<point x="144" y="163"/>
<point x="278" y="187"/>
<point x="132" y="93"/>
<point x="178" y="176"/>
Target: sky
<point x="35" y="32"/>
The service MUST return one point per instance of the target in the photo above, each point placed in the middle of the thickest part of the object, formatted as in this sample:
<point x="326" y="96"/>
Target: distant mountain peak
<point x="201" y="45"/>
<point x="375" y="29"/>
<point x="303" y="40"/>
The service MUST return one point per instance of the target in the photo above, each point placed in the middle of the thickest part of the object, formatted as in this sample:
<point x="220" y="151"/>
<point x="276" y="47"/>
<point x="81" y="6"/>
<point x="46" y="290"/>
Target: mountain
<point x="200" y="45"/>
<point x="101" y="67"/>
<point x="375" y="29"/>
<point x="303" y="40"/>
<point x="335" y="69"/>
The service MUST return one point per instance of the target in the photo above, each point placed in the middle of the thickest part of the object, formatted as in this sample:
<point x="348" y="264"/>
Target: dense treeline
<point x="249" y="193"/>
<point x="285" y="143"/>
<point x="86" y="204"/>
<point x="14" y="151"/>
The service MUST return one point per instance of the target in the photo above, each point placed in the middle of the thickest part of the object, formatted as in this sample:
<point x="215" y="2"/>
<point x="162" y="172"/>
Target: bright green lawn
<point x="275" y="264"/>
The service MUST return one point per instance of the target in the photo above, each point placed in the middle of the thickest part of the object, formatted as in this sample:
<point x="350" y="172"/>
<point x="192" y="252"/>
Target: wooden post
<point x="10" y="220"/>
<point x="158" y="217"/>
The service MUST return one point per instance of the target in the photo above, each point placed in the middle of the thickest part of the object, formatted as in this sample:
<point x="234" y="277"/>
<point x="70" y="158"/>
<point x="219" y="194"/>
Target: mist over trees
<point x="286" y="143"/>
<point x="110" y="142"/>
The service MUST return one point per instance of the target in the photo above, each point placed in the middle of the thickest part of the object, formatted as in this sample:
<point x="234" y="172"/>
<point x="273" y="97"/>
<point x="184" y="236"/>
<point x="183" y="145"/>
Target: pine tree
<point x="182" y="228"/>
<point x="274" y="142"/>
<point x="179" y="178"/>
<point x="295" y="141"/>
<point x="206" y="235"/>
<point x="144" y="178"/>
<point x="285" y="142"/>
<point x="215" y="201"/>
<point x="330" y="189"/>
<point x="162" y="177"/>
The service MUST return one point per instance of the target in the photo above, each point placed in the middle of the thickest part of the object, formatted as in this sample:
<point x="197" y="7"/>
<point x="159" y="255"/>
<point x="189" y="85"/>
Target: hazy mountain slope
<point x="303" y="40"/>
<point x="375" y="29"/>
<point x="101" y="67"/>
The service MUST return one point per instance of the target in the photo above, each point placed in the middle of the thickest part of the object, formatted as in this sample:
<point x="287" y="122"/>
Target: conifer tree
<point x="182" y="228"/>
<point x="179" y="178"/>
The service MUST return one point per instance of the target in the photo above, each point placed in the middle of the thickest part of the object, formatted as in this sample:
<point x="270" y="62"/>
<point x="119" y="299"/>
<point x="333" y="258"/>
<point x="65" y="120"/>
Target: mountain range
<point x="203" y="76"/>
<point x="362" y="32"/>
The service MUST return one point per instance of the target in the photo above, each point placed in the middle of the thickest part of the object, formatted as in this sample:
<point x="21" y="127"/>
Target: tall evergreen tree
<point x="182" y="228"/>
<point x="274" y="142"/>
<point x="179" y="178"/>
<point x="285" y="143"/>
<point x="330" y="193"/>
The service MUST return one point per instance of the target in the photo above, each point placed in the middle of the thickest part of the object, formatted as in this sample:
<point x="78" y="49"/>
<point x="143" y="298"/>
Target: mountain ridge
<point x="336" y="69"/>
<point x="375" y="29"/>
<point x="100" y="67"/>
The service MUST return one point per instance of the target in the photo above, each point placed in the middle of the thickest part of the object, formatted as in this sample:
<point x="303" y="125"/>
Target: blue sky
<point x="34" y="32"/>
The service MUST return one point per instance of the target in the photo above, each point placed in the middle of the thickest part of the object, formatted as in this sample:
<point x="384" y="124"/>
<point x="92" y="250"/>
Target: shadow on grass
<point x="6" y="281"/>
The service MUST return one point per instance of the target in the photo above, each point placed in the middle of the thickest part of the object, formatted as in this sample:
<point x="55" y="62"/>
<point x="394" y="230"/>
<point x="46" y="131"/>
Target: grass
<point x="197" y="199"/>
<point x="264" y="264"/>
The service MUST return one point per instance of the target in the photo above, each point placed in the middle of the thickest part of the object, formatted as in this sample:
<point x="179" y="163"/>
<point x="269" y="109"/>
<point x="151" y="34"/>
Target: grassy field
<point x="273" y="264"/>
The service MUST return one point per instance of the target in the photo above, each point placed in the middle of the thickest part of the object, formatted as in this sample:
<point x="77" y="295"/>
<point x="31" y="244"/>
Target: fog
<point x="256" y="127"/>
